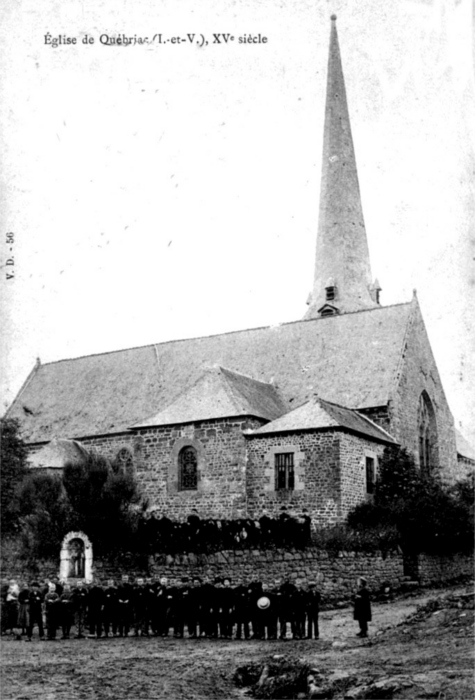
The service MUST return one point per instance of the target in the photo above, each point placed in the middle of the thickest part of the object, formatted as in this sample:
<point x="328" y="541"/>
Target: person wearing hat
<point x="299" y="611"/>
<point x="24" y="607"/>
<point x="226" y="610"/>
<point x="110" y="608"/>
<point x="66" y="611"/>
<point x="124" y="606"/>
<point x="158" y="615"/>
<point x="242" y="611"/>
<point x="194" y="610"/>
<point x="362" y="607"/>
<point x="79" y="598"/>
<point x="149" y="600"/>
<point x="255" y="594"/>
<point x="96" y="609"/>
<point x="214" y="609"/>
<point x="139" y="606"/>
<point x="181" y="607"/>
<point x="207" y="613"/>
<point x="36" y="611"/>
<point x="313" y="609"/>
<point x="285" y="607"/>
<point x="168" y="620"/>
<point x="172" y="597"/>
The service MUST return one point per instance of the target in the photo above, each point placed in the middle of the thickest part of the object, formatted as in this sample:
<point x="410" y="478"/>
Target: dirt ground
<point x="410" y="654"/>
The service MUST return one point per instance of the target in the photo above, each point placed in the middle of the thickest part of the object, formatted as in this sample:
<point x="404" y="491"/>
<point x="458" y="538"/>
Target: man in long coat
<point x="362" y="607"/>
<point x="313" y="609"/>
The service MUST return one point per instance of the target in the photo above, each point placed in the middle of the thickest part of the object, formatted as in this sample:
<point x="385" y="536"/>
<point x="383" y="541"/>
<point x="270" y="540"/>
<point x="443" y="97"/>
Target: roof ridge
<point x="336" y="421"/>
<point x="236" y="397"/>
<point x="182" y="393"/>
<point x="217" y="335"/>
<point x="247" y="376"/>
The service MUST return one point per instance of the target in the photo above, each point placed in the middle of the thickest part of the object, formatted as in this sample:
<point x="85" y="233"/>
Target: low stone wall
<point x="13" y="565"/>
<point x="335" y="574"/>
<point x="434" y="569"/>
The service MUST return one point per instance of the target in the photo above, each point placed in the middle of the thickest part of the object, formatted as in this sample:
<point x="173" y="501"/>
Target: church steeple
<point x="342" y="280"/>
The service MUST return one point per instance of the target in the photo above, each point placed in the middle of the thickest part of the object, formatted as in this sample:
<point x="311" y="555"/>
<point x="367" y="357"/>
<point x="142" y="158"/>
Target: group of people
<point x="195" y="534"/>
<point x="204" y="609"/>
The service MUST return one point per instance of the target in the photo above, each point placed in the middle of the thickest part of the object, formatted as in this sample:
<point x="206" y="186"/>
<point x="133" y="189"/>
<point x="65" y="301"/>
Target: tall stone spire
<point x="342" y="280"/>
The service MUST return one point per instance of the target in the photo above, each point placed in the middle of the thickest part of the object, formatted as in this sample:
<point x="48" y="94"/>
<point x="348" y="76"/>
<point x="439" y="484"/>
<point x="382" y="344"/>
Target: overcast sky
<point x="164" y="191"/>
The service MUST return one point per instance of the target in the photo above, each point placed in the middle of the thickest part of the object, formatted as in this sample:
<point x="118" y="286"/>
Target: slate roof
<point x="220" y="393"/>
<point x="351" y="359"/>
<point x="319" y="414"/>
<point x="57" y="453"/>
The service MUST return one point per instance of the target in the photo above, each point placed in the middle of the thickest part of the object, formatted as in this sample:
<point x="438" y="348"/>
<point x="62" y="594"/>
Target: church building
<point x="295" y="416"/>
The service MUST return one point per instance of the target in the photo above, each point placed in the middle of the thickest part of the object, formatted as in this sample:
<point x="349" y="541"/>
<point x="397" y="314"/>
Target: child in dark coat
<point x="362" y="607"/>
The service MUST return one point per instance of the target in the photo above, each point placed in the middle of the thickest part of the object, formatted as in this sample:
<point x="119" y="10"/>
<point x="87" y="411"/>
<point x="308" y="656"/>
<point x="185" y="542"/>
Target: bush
<point x="416" y="511"/>
<point x="344" y="538"/>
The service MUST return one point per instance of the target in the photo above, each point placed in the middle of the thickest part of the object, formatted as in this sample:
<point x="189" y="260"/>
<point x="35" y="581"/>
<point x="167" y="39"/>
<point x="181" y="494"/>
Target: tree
<point x="45" y="514"/>
<point x="101" y="499"/>
<point x="12" y="472"/>
<point x="425" y="515"/>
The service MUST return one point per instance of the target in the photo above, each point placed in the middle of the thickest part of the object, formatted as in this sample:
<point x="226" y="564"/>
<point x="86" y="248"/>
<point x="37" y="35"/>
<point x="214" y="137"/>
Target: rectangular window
<point x="370" y="474"/>
<point x="284" y="471"/>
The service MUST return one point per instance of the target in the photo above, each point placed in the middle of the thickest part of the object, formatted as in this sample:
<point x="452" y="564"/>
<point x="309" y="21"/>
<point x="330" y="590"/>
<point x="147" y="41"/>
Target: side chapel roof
<point x="317" y="414"/>
<point x="57" y="453"/>
<point x="220" y="393"/>
<point x="350" y="359"/>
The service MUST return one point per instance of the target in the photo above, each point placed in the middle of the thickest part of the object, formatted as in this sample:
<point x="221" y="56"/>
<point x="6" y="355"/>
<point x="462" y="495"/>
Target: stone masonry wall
<point x="330" y="473"/>
<point x="14" y="566"/>
<point x="317" y="482"/>
<point x="418" y="373"/>
<point x="353" y="453"/>
<point x="436" y="569"/>
<point x="335" y="574"/>
<point x="221" y="451"/>
<point x="110" y="445"/>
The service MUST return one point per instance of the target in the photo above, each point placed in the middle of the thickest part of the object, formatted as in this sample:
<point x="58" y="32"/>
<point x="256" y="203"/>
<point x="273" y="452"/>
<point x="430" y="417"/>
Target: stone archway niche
<point x="76" y="557"/>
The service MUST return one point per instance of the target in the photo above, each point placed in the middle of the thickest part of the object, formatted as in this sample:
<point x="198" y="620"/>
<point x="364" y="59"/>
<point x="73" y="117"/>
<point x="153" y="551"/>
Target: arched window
<point x="188" y="469"/>
<point x="427" y="435"/>
<point x="124" y="462"/>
